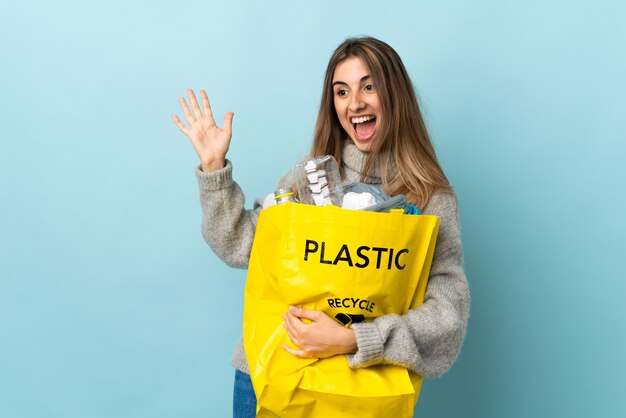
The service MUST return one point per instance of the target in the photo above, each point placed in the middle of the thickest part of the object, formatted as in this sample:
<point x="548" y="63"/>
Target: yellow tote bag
<point x="352" y="265"/>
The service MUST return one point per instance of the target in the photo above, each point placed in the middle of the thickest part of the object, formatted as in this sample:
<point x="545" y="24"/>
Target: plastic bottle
<point x="284" y="195"/>
<point x="319" y="182"/>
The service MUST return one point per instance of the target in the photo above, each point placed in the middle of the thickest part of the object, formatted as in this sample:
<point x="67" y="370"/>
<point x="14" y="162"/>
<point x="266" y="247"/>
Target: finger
<point x="180" y="125"/>
<point x="293" y="339"/>
<point x="194" y="104"/>
<point x="227" y="124"/>
<point x="304" y="313"/>
<point x="297" y="353"/>
<point x="296" y="326"/>
<point x="188" y="116"/>
<point x="292" y="332"/>
<point x="206" y="105"/>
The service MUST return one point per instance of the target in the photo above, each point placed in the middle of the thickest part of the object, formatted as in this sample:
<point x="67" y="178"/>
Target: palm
<point x="207" y="136"/>
<point x="209" y="140"/>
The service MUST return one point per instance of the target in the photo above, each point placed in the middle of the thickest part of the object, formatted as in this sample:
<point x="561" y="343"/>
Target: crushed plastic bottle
<point x="319" y="182"/>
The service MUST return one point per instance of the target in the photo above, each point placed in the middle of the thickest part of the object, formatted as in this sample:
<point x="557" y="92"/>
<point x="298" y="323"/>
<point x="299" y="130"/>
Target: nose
<point x="356" y="102"/>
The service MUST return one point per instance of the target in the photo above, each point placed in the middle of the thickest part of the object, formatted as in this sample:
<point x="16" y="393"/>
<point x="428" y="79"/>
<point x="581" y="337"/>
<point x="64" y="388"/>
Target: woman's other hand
<point x="322" y="337"/>
<point x="209" y="140"/>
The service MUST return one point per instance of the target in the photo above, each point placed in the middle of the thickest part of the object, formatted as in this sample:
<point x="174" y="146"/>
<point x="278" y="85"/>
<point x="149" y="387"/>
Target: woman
<point x="369" y="120"/>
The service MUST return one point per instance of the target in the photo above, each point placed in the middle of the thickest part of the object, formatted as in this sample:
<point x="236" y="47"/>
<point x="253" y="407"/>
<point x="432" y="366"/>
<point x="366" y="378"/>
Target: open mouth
<point x="364" y="127"/>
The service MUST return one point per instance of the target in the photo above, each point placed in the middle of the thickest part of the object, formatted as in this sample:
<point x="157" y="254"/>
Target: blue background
<point x="112" y="305"/>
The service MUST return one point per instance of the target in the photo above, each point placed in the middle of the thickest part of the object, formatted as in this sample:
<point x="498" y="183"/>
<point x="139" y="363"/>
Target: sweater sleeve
<point x="427" y="339"/>
<point x="227" y="227"/>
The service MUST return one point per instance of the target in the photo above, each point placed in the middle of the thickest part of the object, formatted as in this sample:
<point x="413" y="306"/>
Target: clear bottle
<point x="319" y="182"/>
<point x="284" y="195"/>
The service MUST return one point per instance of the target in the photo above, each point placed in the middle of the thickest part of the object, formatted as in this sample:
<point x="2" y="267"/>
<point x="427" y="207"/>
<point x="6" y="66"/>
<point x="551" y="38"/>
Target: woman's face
<point x="356" y="101"/>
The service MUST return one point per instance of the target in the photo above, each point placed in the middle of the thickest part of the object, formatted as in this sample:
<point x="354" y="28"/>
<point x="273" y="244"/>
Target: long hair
<point x="401" y="148"/>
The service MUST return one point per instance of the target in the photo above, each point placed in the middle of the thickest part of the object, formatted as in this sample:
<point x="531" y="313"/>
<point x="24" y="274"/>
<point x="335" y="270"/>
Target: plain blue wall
<point x="112" y="305"/>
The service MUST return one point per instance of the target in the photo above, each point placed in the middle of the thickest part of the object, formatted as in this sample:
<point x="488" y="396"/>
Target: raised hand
<point x="322" y="337"/>
<point x="209" y="140"/>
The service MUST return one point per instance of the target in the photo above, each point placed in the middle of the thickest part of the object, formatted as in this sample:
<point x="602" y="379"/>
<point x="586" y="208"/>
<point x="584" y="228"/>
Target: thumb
<point x="227" y="124"/>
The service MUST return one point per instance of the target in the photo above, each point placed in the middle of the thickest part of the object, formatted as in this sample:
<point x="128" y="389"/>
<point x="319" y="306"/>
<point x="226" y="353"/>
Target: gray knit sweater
<point x="426" y="339"/>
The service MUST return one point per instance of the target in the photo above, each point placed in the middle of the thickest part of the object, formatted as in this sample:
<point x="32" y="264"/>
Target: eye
<point x="369" y="87"/>
<point x="341" y="92"/>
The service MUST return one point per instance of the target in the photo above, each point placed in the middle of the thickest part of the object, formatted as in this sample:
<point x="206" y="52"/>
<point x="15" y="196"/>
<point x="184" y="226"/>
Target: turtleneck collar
<point x="354" y="161"/>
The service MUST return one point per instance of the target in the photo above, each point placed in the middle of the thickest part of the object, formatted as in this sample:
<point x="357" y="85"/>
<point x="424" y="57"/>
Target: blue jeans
<point x="244" y="400"/>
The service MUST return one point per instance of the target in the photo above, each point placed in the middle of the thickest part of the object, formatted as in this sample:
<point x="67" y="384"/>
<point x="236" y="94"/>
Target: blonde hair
<point x="401" y="147"/>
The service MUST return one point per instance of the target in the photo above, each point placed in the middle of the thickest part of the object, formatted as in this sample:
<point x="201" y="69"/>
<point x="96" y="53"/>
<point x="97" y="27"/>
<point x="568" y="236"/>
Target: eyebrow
<point x="365" y="77"/>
